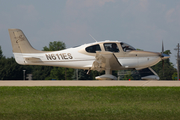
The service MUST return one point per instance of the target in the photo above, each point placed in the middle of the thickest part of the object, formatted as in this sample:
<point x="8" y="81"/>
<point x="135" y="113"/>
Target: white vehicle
<point x="105" y="55"/>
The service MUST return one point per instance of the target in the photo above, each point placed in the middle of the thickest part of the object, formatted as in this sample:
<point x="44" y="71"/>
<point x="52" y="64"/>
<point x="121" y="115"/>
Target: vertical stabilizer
<point x="20" y="44"/>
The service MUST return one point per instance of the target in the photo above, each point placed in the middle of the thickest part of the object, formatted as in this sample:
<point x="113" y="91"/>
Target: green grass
<point x="80" y="103"/>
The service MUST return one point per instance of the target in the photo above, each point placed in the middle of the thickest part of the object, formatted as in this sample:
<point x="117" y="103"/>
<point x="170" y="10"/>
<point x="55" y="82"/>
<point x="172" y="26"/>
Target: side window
<point x="93" y="49"/>
<point x="112" y="47"/>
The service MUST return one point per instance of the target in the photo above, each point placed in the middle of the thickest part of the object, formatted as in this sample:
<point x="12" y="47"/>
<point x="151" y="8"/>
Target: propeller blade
<point x="162" y="48"/>
<point x="163" y="66"/>
<point x="163" y="55"/>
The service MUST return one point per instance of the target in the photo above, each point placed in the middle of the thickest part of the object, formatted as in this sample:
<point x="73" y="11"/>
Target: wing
<point x="148" y="74"/>
<point x="105" y="60"/>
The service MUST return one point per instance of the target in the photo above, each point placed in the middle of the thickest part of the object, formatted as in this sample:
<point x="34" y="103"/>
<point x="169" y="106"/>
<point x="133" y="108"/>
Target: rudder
<point x="20" y="43"/>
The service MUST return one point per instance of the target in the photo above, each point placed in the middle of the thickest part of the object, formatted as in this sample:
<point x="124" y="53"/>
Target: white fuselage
<point x="72" y="58"/>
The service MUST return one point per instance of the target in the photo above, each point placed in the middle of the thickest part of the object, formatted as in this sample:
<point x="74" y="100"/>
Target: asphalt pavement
<point x="89" y="83"/>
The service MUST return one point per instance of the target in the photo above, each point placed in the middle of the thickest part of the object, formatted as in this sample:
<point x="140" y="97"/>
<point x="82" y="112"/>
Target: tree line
<point x="10" y="70"/>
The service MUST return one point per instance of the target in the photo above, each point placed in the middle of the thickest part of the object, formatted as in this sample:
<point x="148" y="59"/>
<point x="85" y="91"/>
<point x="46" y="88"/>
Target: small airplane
<point x="101" y="56"/>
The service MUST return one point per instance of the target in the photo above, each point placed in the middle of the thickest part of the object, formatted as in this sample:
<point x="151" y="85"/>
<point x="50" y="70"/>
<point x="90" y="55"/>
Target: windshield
<point x="127" y="47"/>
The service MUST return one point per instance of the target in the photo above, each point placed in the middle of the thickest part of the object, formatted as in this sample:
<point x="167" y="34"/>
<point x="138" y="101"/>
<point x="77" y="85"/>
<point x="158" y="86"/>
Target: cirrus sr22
<point x="105" y="55"/>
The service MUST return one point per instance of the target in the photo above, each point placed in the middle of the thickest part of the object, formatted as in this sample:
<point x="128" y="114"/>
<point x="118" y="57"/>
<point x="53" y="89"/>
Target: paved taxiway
<point x="90" y="83"/>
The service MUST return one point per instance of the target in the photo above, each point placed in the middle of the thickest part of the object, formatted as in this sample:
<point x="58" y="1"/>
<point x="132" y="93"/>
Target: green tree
<point x="128" y="74"/>
<point x="10" y="70"/>
<point x="135" y="74"/>
<point x="54" y="46"/>
<point x="168" y="52"/>
<point x="82" y="75"/>
<point x="1" y="53"/>
<point x="127" y="77"/>
<point x="174" y="76"/>
<point x="59" y="73"/>
<point x="41" y="72"/>
<point x="94" y="74"/>
<point x="168" y="71"/>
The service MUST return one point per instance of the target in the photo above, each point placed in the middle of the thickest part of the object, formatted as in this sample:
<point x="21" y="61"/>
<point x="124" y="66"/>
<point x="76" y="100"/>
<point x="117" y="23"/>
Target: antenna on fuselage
<point x="93" y="37"/>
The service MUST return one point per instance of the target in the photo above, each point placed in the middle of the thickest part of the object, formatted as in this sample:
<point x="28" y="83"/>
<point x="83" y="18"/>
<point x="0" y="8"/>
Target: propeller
<point x="162" y="54"/>
<point x="162" y="48"/>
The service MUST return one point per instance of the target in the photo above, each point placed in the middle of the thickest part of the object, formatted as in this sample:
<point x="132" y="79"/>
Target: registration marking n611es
<point x="59" y="56"/>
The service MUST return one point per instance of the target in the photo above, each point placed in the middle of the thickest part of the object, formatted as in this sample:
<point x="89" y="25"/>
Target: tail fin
<point x="20" y="44"/>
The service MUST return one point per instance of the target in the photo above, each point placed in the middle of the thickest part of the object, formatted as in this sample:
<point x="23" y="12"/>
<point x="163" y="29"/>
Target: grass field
<point x="83" y="103"/>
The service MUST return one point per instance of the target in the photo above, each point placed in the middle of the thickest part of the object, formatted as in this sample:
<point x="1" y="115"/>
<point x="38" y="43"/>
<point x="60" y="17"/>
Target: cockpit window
<point x="93" y="49"/>
<point x="112" y="47"/>
<point x="127" y="47"/>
